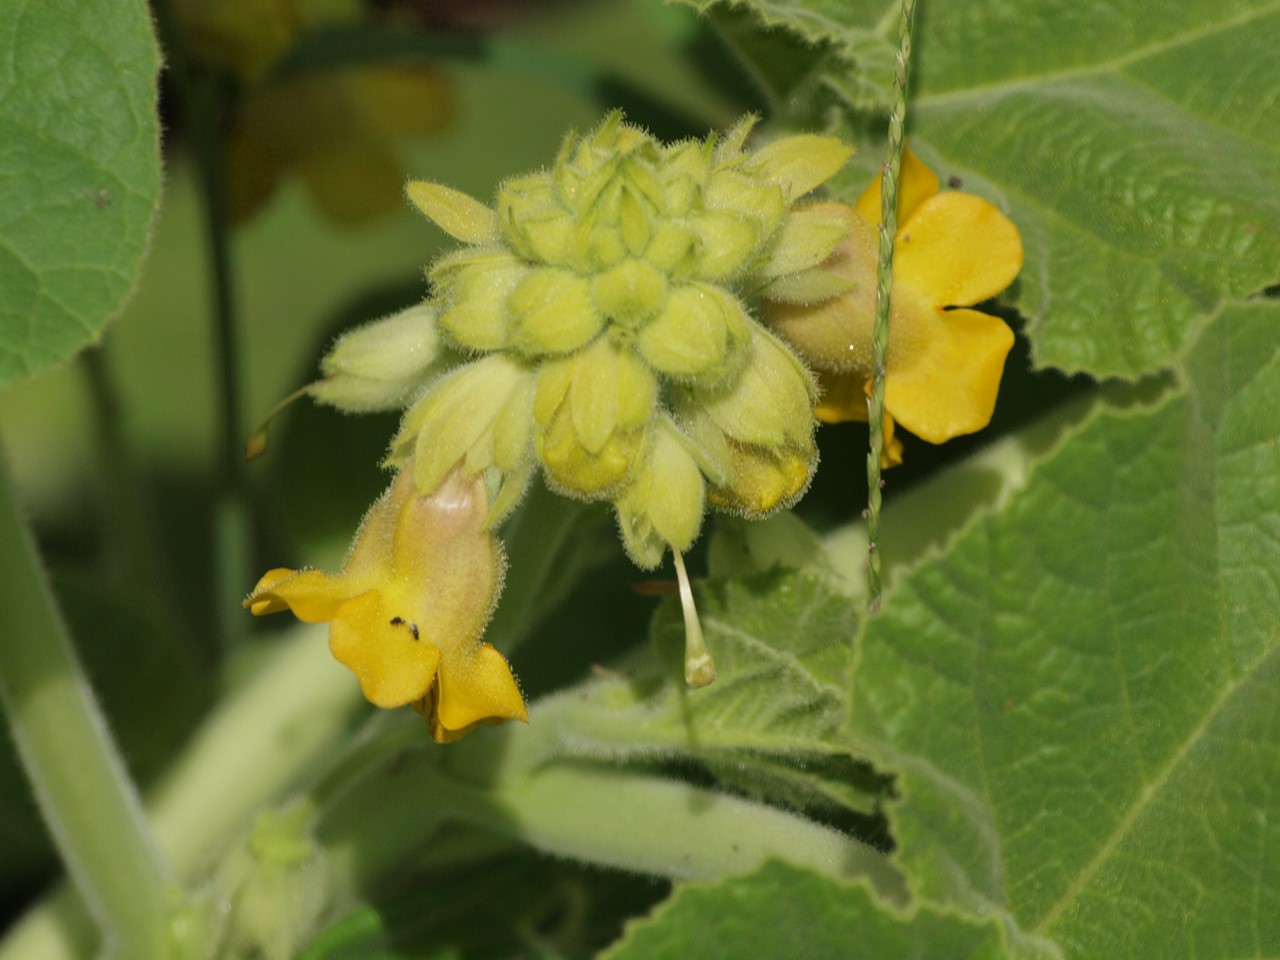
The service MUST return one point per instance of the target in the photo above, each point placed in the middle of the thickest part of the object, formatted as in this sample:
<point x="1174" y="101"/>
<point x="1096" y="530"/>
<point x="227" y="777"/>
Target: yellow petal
<point x="948" y="387"/>
<point x="476" y="688"/>
<point x="916" y="183"/>
<point x="261" y="599"/>
<point x="313" y="596"/>
<point x="842" y="397"/>
<point x="394" y="663"/>
<point x="891" y="454"/>
<point x="956" y="250"/>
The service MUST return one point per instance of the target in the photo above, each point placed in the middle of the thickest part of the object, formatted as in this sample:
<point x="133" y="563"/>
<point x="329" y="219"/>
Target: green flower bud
<point x="809" y="236"/>
<point x="738" y="192"/>
<point x="592" y="412"/>
<point x="700" y="334"/>
<point x="630" y="293"/>
<point x="770" y="403"/>
<point x="552" y="312"/>
<point x="457" y="214"/>
<point x="597" y="246"/>
<point x="277" y="886"/>
<point x="673" y="249"/>
<point x="799" y="164"/>
<point x="380" y="365"/>
<point x="473" y="286"/>
<point x="612" y="284"/>
<point x="757" y="430"/>
<point x="727" y="240"/>
<point x="663" y="506"/>
<point x="764" y="479"/>
<point x="480" y="413"/>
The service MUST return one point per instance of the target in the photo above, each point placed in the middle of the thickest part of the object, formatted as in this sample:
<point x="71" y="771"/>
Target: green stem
<point x="132" y="523"/>
<point x="203" y="98"/>
<point x="83" y="791"/>
<point x="884" y="288"/>
<point x="673" y="829"/>
<point x="288" y="719"/>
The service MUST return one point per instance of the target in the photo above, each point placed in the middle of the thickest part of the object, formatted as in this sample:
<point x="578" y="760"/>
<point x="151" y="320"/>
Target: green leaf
<point x="798" y="71"/>
<point x="781" y="911"/>
<point x="79" y="173"/>
<point x="1078" y="696"/>
<point x="1135" y="146"/>
<point x="769" y="725"/>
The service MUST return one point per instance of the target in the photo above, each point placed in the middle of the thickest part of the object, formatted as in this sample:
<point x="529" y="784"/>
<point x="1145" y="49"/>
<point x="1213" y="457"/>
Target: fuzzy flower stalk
<point x="594" y="326"/>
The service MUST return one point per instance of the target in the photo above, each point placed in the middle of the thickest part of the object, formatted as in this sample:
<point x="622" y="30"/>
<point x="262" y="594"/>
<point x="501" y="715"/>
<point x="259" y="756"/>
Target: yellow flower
<point x="952" y="250"/>
<point x="335" y="130"/>
<point x="410" y="605"/>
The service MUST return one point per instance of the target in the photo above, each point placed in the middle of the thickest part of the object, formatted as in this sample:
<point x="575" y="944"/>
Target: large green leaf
<point x="799" y="70"/>
<point x="781" y="911"/>
<point x="1079" y="695"/>
<point x="1135" y="145"/>
<point x="79" y="172"/>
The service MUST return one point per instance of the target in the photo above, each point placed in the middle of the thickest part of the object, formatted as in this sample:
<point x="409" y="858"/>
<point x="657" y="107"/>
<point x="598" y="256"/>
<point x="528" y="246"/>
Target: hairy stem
<point x="79" y="781"/>
<point x="570" y="809"/>
<point x="884" y="288"/>
<point x="290" y="718"/>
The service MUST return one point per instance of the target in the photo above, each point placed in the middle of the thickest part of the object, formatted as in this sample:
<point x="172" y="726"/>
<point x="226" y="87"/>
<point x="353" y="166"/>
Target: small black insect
<point x="400" y="621"/>
<point x="954" y="182"/>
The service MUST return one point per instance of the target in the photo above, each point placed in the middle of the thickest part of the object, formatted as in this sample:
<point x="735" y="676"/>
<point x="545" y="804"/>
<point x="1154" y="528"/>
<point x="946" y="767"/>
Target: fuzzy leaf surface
<point x="770" y="724"/>
<point x="79" y="172"/>
<point x="1135" y="146"/>
<point x="1078" y="696"/>
<point x="783" y="911"/>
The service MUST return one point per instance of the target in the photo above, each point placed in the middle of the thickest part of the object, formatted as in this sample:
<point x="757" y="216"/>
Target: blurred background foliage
<point x="316" y="153"/>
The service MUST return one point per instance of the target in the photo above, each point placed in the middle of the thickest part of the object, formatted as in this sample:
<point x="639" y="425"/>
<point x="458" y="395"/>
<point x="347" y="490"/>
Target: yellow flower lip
<point x="945" y="362"/>
<point x="408" y="608"/>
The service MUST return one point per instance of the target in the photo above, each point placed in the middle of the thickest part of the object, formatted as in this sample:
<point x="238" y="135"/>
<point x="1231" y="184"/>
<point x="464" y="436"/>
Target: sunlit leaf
<point x="1079" y="695"/>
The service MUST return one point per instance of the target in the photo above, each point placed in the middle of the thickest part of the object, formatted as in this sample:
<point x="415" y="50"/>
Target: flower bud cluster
<point x="601" y="302"/>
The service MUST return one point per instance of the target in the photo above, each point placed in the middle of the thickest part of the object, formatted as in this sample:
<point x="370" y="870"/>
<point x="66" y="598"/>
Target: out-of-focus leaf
<point x="79" y="172"/>
<point x="1079" y="695"/>
<point x="521" y="904"/>
<point x="782" y="911"/>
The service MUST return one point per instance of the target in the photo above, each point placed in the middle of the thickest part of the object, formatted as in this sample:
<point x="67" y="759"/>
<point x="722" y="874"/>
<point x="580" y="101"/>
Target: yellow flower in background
<point x="242" y="38"/>
<point x="952" y="250"/>
<point x="334" y="130"/>
<point x="408" y="608"/>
